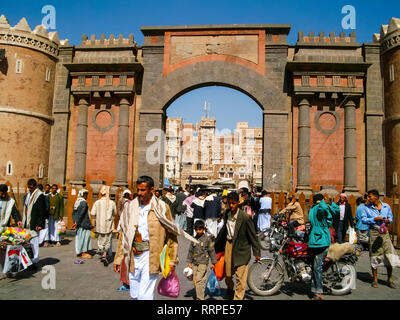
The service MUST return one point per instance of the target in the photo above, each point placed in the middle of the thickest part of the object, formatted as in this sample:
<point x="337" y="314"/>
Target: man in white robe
<point x="104" y="211"/>
<point x="7" y="209"/>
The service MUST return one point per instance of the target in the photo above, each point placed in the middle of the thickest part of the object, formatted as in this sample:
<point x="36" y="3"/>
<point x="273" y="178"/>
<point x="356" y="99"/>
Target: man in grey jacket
<point x="198" y="257"/>
<point x="237" y="238"/>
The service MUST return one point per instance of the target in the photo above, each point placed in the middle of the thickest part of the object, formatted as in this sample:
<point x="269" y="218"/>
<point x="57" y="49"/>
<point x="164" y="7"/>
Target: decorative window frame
<point x="106" y="128"/>
<point x="325" y="131"/>
<point x="391" y="73"/>
<point x="19" y="66"/>
<point x="41" y="171"/>
<point x="48" y="74"/>
<point x="9" y="168"/>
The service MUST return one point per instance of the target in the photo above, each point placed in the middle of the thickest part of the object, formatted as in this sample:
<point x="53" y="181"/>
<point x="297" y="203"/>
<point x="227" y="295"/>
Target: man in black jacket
<point x="212" y="211"/>
<point x="34" y="215"/>
<point x="236" y="238"/>
<point x="180" y="218"/>
<point x="342" y="221"/>
<point x="83" y="226"/>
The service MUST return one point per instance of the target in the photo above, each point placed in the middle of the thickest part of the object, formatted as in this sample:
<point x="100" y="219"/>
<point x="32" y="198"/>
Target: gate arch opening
<point x="214" y="136"/>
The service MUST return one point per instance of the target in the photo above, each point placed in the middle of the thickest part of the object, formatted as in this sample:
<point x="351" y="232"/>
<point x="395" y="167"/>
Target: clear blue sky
<point x="74" y="18"/>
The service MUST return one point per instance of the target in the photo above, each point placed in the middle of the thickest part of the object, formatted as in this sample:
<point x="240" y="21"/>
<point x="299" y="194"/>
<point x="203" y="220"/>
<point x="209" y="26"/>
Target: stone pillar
<point x="61" y="114"/>
<point x="374" y="115"/>
<point x="81" y="142"/>
<point x="350" y="148"/>
<point x="121" y="174"/>
<point x="151" y="145"/>
<point x="303" y="156"/>
<point x="275" y="150"/>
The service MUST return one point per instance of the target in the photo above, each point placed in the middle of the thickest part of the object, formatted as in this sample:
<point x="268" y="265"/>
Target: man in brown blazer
<point x="236" y="238"/>
<point x="146" y="226"/>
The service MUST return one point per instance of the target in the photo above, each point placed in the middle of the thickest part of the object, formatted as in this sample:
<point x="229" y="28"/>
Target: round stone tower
<point x="27" y="71"/>
<point x="390" y="57"/>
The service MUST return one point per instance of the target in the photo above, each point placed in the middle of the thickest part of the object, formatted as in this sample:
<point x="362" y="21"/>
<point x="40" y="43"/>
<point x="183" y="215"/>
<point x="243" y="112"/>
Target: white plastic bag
<point x="12" y="260"/>
<point x="16" y="260"/>
<point x="61" y="228"/>
<point x="352" y="235"/>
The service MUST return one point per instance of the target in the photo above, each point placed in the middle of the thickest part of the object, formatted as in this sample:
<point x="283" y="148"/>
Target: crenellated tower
<point x="389" y="40"/>
<point x="27" y="73"/>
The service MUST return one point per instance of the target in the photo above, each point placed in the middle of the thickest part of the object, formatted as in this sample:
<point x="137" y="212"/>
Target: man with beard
<point x="34" y="215"/>
<point x="146" y="226"/>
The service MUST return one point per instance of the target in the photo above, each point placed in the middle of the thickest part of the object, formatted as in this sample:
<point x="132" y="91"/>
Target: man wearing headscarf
<point x="80" y="216"/>
<point x="122" y="201"/>
<point x="7" y="209"/>
<point x="103" y="211"/>
<point x="342" y="221"/>
<point x="146" y="226"/>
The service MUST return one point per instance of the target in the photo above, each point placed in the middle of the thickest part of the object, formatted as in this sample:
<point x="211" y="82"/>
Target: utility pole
<point x="206" y="108"/>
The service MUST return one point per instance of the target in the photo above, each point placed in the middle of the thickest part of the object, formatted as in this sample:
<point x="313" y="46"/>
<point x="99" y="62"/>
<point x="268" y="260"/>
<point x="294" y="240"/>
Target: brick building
<point x="89" y="113"/>
<point x="205" y="154"/>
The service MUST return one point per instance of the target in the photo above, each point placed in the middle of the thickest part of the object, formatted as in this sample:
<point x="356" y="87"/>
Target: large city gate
<point x="248" y="58"/>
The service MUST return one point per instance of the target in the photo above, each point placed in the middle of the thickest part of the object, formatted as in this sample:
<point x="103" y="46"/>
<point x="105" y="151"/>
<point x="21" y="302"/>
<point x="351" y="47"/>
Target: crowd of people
<point x="214" y="223"/>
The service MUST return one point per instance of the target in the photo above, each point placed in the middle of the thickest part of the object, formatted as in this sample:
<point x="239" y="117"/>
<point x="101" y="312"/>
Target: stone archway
<point x="265" y="87"/>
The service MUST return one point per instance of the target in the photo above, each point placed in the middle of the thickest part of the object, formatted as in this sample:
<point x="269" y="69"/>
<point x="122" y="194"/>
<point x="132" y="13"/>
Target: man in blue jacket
<point x="362" y="229"/>
<point x="321" y="218"/>
<point x="378" y="215"/>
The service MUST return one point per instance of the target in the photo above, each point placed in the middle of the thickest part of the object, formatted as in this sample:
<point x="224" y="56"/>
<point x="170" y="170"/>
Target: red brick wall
<point x="327" y="153"/>
<point x="101" y="147"/>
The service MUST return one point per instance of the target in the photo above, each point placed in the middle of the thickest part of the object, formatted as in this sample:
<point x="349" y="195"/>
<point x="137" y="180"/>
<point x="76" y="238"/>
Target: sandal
<point x="391" y="285"/>
<point x="317" y="297"/>
<point x="122" y="288"/>
<point x="374" y="284"/>
<point x="104" y="261"/>
<point x="79" y="262"/>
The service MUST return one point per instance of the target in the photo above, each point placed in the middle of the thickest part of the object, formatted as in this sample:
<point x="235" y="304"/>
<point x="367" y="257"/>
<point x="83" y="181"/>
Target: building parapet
<point x="22" y="35"/>
<point x="389" y="37"/>
<point x="110" y="43"/>
<point x="327" y="41"/>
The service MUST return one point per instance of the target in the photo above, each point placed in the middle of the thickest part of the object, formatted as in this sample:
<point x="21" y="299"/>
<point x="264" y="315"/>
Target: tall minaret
<point x="390" y="57"/>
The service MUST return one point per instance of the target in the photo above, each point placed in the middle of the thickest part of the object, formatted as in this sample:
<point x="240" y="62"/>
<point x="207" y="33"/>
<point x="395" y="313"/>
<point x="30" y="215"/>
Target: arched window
<point x="391" y="73"/>
<point x="9" y="168"/>
<point x="18" y="66"/>
<point x="48" y="74"/>
<point x="41" y="169"/>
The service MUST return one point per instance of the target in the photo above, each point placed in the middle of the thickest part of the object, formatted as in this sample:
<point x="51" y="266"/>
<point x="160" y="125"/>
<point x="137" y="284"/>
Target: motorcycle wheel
<point x="263" y="240"/>
<point x="257" y="281"/>
<point x="345" y="285"/>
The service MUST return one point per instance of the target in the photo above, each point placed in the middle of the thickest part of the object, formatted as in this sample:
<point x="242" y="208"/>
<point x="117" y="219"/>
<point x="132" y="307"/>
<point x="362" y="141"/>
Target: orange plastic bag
<point x="220" y="266"/>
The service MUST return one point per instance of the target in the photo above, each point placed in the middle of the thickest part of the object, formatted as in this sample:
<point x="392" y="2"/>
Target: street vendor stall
<point x="15" y="249"/>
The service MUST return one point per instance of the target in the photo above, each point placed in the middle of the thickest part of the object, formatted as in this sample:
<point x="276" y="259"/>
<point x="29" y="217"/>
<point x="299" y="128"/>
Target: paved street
<point x="93" y="281"/>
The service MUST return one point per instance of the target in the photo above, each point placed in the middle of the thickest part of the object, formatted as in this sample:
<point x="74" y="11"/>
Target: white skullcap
<point x="126" y="191"/>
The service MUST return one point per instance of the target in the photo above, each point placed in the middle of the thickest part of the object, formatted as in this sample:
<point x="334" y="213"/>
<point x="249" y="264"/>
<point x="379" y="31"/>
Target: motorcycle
<point x="292" y="256"/>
